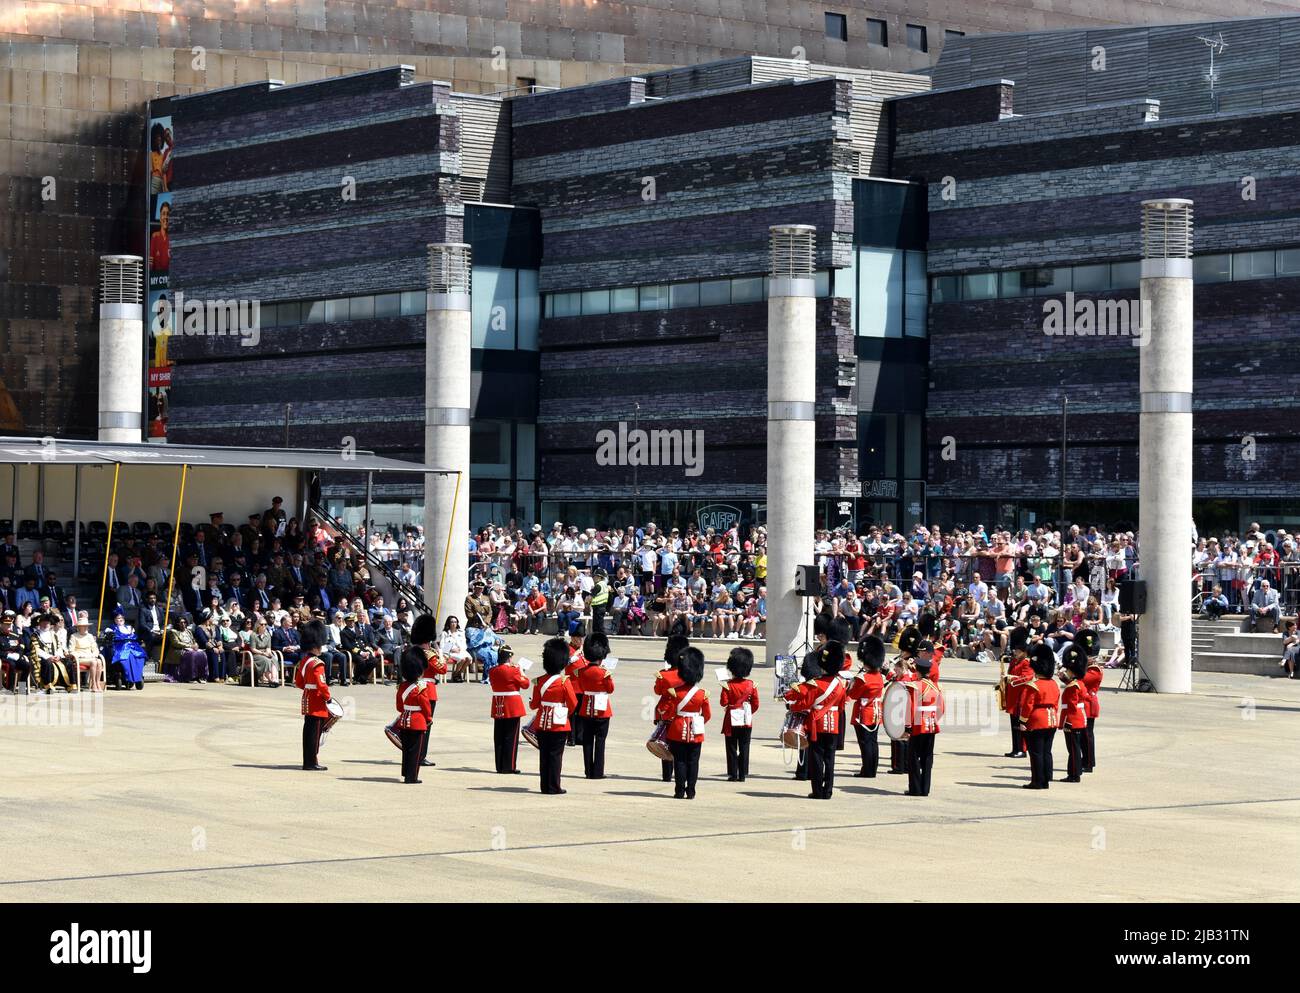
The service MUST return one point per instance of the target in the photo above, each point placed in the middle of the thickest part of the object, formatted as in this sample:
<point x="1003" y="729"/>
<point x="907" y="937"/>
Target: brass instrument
<point x="1004" y="681"/>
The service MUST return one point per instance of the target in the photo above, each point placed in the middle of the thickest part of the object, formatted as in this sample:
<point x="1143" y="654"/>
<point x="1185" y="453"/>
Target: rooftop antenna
<point x="1216" y="46"/>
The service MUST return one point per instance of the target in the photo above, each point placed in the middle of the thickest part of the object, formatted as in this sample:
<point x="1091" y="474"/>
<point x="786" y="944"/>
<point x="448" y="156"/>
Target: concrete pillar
<point x="446" y="427"/>
<point x="1165" y="445"/>
<point x="791" y="449"/>
<point x="121" y="348"/>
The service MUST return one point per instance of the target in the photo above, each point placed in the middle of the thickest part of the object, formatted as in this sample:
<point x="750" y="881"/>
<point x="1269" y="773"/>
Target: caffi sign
<point x="718" y="516"/>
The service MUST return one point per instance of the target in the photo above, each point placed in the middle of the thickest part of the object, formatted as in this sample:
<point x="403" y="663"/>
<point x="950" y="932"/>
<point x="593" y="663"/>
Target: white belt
<point x="510" y="693"/>
<point x="409" y="707"/>
<point x="924" y="710"/>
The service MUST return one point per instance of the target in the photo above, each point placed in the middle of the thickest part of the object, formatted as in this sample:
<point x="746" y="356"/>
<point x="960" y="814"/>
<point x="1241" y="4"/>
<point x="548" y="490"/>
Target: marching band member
<point x="310" y="676"/>
<point x="927" y="624"/>
<point x="508" y="683"/>
<point x="1037" y="712"/>
<point x="577" y="662"/>
<point x="594" y="684"/>
<point x="739" y="701"/>
<point x="924" y="715"/>
<point x="903" y="671"/>
<point x="842" y="631"/>
<point x="1019" y="674"/>
<point x="1074" y="709"/>
<point x="691" y="712"/>
<point x="795" y="703"/>
<point x="666" y="685"/>
<point x="423" y="632"/>
<point x="1090" y="641"/>
<point x="820" y="697"/>
<point x="554" y="699"/>
<point x="414" y="710"/>
<point x="866" y="689"/>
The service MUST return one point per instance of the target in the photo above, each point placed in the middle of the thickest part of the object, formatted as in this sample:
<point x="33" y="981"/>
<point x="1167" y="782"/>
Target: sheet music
<point x="722" y="674"/>
<point x="610" y="663"/>
<point x="523" y="663"/>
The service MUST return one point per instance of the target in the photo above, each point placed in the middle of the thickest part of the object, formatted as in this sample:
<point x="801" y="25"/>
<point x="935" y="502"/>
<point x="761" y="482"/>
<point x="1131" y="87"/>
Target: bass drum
<point x="896" y="707"/>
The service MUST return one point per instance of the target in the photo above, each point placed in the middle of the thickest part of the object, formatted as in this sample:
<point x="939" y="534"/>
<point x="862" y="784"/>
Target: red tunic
<point x="309" y="676"/>
<point x="927" y="708"/>
<point x="1020" y="675"/>
<point x="685" y="726"/>
<point x="866" y="691"/>
<point x="556" y="704"/>
<point x="1039" y="701"/>
<point x="413" y="706"/>
<point x="820" y="699"/>
<point x="1074" y="705"/>
<point x="435" y="667"/>
<point x="1092" y="683"/>
<point x="507" y="682"/>
<point x="666" y="685"/>
<point x="739" y="695"/>
<point x="594" y="682"/>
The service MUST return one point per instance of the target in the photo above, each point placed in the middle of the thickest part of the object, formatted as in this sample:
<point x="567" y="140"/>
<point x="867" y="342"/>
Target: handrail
<point x="409" y="592"/>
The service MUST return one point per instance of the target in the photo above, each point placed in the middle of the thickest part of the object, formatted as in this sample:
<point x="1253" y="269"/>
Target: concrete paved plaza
<point x="195" y="793"/>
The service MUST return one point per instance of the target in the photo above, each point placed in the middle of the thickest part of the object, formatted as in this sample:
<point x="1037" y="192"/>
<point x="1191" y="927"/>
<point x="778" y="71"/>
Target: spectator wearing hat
<point x="86" y="654"/>
<point x="127" y="663"/>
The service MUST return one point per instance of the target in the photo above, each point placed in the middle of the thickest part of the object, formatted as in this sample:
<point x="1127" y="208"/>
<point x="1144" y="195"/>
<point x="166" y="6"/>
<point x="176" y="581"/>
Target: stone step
<point x="1258" y="665"/>
<point x="1248" y="644"/>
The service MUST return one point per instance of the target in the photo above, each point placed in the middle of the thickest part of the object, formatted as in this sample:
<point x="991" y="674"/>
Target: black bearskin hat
<point x="740" y="663"/>
<point x="1089" y="641"/>
<point x="691" y="667"/>
<point x="831" y="657"/>
<point x="871" y="652"/>
<point x="1019" y="639"/>
<point x="1043" y="659"/>
<point x="412" y="664"/>
<point x="1075" y="659"/>
<point x="811" y="667"/>
<point x="822" y="624"/>
<point x="424" y="630"/>
<point x="555" y="656"/>
<point x="926" y="624"/>
<point x="909" y="639"/>
<point x="595" y="647"/>
<point x="840" y="630"/>
<point x="313" y="635"/>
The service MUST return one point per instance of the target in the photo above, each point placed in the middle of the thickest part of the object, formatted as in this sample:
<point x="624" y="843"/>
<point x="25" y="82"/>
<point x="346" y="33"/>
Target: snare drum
<point x="657" y="745"/>
<point x="896" y="710"/>
<point x="794" y="733"/>
<point x="393" y="734"/>
<point x="335" y="715"/>
<point x="529" y="730"/>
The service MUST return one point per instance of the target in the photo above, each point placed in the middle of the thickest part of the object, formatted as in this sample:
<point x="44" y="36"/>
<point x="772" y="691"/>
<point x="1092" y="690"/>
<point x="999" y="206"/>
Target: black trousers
<point x="598" y="618"/>
<point x="1089" y="746"/>
<point x="920" y="760"/>
<point x="311" y="740"/>
<point x="667" y="771"/>
<point x="686" y="766"/>
<point x="1040" y="756"/>
<point x="411" y="743"/>
<point x="577" y="724"/>
<point x="594" y="731"/>
<point x="844" y="730"/>
<point x="821" y="764"/>
<point x="898" y="756"/>
<point x="737" y="744"/>
<point x="505" y="740"/>
<point x="1017" y="736"/>
<point x="424" y="745"/>
<point x="1074" y="748"/>
<point x="550" y="749"/>
<point x="801" y="769"/>
<point x="869" y="747"/>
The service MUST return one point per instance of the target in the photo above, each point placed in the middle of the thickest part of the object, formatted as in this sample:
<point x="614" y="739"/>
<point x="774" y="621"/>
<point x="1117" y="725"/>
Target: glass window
<point x="1253" y="265"/>
<point x="654" y="297"/>
<point x="1212" y="268"/>
<point x="1015" y="282"/>
<point x="949" y="33"/>
<point x="944" y="289"/>
<point x="548" y="305"/>
<point x="916" y="38"/>
<point x="1091" y="278"/>
<point x="269" y="315"/>
<point x="595" y="301"/>
<point x="877" y="446"/>
<point x="880" y="292"/>
<point x="747" y="289"/>
<point x="1053" y="281"/>
<point x="1125" y="275"/>
<point x="837" y="26"/>
<point x="846" y="285"/>
<point x="913" y="447"/>
<point x="526" y="450"/>
<point x="684" y="295"/>
<point x="877" y="32"/>
<point x="623" y="300"/>
<point x="714" y="292"/>
<point x="529" y="305"/>
<point x="489" y="449"/>
<point x="361" y="308"/>
<point x="979" y="286"/>
<point x="388" y="304"/>
<point x="566" y="304"/>
<point x="313" y="311"/>
<point x="492" y="308"/>
<point x="1288" y="262"/>
<point x="336" y="310"/>
<point x="412" y="303"/>
<point x="822" y="283"/>
<point x="915" y="297"/>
